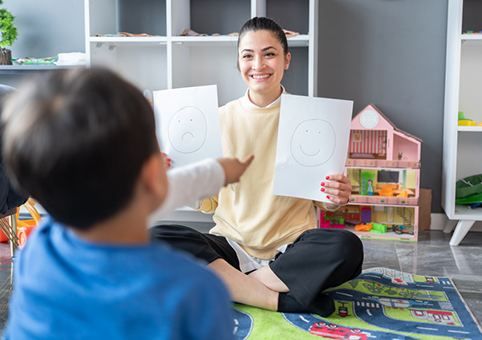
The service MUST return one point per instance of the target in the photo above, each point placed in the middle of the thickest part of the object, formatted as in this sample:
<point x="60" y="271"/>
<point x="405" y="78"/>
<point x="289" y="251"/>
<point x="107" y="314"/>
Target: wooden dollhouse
<point x="383" y="165"/>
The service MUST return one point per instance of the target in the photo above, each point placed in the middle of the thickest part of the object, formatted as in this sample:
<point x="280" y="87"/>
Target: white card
<point x="187" y="123"/>
<point x="313" y="137"/>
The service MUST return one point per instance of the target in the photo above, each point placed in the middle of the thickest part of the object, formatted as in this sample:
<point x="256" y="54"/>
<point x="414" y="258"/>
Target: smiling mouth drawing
<point x="314" y="154"/>
<point x="187" y="133"/>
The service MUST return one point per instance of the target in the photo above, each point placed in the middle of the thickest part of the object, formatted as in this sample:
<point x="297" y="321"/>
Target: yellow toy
<point x="465" y="121"/>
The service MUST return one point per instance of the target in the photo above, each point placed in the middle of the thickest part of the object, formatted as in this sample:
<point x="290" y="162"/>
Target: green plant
<point x="9" y="31"/>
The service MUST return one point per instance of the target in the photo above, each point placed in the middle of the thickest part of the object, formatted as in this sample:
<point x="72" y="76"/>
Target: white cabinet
<point x="462" y="144"/>
<point x="167" y="60"/>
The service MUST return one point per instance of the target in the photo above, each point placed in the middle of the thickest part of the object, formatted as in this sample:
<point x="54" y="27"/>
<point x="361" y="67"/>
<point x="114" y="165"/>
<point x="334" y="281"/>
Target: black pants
<point x="318" y="259"/>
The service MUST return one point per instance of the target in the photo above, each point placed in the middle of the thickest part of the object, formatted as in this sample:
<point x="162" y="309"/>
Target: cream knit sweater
<point x="247" y="212"/>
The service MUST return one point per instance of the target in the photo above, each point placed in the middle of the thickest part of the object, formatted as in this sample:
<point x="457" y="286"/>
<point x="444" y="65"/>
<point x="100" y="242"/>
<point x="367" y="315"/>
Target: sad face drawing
<point x="313" y="142"/>
<point x="187" y="130"/>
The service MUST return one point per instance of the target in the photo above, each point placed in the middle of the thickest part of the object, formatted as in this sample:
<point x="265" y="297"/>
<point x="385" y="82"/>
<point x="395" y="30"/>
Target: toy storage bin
<point x="468" y="186"/>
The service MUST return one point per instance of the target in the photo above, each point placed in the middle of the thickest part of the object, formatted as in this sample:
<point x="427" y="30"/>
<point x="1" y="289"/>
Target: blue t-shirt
<point x="68" y="288"/>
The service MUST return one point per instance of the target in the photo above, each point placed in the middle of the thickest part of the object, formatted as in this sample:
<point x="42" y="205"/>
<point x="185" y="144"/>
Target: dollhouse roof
<point x="385" y="118"/>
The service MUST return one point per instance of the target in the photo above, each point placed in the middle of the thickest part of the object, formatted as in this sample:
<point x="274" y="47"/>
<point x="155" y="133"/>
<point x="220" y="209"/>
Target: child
<point x="83" y="143"/>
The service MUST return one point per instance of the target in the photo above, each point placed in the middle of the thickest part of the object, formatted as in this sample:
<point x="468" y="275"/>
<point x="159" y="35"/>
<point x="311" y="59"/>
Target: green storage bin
<point x="468" y="186"/>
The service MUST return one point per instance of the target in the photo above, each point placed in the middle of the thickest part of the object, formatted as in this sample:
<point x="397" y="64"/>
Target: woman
<point x="266" y="247"/>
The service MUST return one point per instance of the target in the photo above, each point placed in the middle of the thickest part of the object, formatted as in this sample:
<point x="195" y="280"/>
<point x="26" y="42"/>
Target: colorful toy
<point x="379" y="228"/>
<point x="364" y="227"/>
<point x="387" y="190"/>
<point x="366" y="215"/>
<point x="370" y="187"/>
<point x="465" y="121"/>
<point x="400" y="229"/>
<point x="325" y="224"/>
<point x="366" y="183"/>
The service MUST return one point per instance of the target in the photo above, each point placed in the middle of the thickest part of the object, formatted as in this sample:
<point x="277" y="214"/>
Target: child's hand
<point x="338" y="189"/>
<point x="234" y="168"/>
<point x="167" y="161"/>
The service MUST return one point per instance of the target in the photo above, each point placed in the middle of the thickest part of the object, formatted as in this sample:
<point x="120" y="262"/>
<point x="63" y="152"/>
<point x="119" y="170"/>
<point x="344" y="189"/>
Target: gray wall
<point x="387" y="52"/>
<point x="390" y="53"/>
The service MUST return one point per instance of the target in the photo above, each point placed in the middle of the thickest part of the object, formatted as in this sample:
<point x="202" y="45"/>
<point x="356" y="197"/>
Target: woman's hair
<point x="262" y="23"/>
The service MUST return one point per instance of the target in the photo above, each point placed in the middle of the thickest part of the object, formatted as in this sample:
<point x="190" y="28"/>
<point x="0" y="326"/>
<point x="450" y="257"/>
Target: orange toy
<point x="404" y="193"/>
<point x="364" y="227"/>
<point x="386" y="191"/>
<point x="25" y="227"/>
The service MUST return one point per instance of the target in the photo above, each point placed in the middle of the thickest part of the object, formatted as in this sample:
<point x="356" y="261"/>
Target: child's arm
<point x="199" y="180"/>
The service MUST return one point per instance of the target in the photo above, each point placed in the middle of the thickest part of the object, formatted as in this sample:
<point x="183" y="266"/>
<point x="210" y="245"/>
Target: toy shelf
<point x="15" y="69"/>
<point x="472" y="37"/>
<point x="469" y="128"/>
<point x="298" y="41"/>
<point x="167" y="60"/>
<point x="462" y="84"/>
<point x="135" y="41"/>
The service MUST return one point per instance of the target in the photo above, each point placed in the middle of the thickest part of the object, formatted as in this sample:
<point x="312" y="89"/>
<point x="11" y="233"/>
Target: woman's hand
<point x="337" y="189"/>
<point x="167" y="161"/>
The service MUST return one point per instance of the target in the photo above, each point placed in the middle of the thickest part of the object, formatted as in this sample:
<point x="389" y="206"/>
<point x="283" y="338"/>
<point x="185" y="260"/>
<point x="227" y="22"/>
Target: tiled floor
<point x="431" y="256"/>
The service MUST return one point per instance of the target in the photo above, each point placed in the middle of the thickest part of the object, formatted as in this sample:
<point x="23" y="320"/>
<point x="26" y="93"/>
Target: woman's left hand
<point x="337" y="188"/>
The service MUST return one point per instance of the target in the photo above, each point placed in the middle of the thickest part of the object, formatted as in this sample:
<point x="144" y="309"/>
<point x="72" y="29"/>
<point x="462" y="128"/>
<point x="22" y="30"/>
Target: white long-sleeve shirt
<point x="188" y="184"/>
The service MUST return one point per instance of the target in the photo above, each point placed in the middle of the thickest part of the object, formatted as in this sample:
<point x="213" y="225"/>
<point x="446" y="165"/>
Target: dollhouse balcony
<point x="382" y="200"/>
<point x="382" y="163"/>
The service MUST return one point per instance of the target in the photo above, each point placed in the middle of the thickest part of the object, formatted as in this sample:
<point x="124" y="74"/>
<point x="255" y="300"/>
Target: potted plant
<point x="8" y="34"/>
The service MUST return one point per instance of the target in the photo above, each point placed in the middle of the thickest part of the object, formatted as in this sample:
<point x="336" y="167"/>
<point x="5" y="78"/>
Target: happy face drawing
<point x="187" y="130"/>
<point x="313" y="142"/>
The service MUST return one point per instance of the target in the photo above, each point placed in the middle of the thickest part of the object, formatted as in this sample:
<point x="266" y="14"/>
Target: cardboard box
<point x="424" y="209"/>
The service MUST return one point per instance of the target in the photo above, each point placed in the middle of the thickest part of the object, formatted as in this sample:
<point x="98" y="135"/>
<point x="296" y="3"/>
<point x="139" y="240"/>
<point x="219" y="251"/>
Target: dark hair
<point x="76" y="140"/>
<point x="262" y="23"/>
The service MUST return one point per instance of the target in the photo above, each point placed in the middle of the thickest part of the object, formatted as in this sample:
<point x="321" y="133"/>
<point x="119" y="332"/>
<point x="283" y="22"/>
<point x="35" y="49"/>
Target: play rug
<point x="381" y="303"/>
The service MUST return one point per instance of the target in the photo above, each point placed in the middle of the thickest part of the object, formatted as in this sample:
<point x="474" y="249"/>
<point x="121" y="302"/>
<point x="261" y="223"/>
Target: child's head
<point x="76" y="140"/>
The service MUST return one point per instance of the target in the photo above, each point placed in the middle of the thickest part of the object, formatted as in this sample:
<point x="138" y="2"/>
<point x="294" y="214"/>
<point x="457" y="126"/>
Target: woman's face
<point x="262" y="62"/>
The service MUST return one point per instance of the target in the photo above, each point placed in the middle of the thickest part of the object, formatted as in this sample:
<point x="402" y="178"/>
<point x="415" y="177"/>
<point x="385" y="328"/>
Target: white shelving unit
<point x="168" y="60"/>
<point x="462" y="144"/>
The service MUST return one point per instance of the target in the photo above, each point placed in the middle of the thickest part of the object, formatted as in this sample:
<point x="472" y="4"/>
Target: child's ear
<point x="154" y="176"/>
